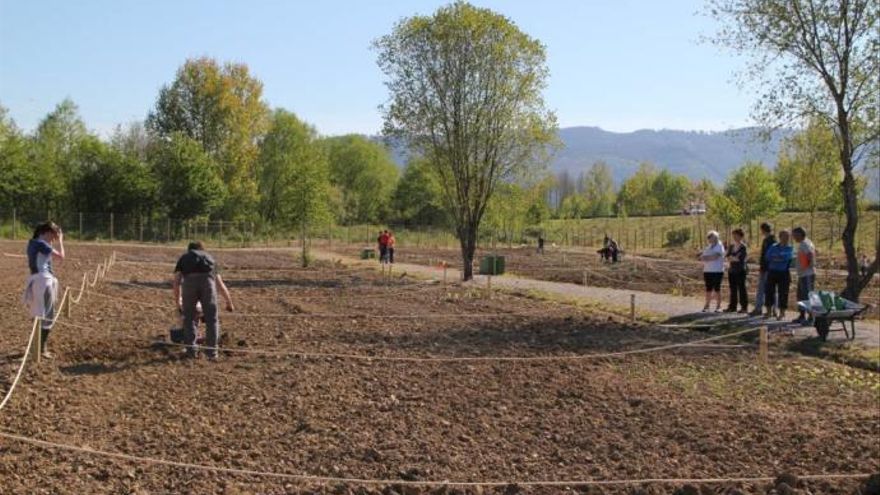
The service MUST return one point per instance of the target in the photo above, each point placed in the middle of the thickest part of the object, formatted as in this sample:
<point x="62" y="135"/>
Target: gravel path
<point x="647" y="303"/>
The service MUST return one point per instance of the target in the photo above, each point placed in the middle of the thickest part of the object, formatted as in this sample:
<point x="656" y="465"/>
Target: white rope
<point x="578" y="357"/>
<point x="353" y="316"/>
<point x="373" y="482"/>
<point x="24" y="359"/>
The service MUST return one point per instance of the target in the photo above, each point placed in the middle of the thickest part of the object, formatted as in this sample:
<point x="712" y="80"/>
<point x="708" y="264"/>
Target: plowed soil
<point x="694" y="413"/>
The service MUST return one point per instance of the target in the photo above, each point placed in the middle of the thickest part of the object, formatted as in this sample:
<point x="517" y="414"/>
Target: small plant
<point x="678" y="237"/>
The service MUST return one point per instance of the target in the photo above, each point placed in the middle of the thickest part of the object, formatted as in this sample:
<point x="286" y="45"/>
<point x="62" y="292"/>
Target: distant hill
<point x="696" y="154"/>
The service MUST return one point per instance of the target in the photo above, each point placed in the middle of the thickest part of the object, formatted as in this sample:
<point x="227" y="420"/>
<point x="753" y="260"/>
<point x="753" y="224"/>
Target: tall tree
<point x="466" y="88"/>
<point x="808" y="172"/>
<point x="20" y="182"/>
<point x="670" y="192"/>
<point x="190" y="184"/>
<point x="418" y="196"/>
<point x="815" y="59"/>
<point x="56" y="138"/>
<point x="753" y="190"/>
<point x="365" y="175"/>
<point x="294" y="181"/>
<point x="107" y="180"/>
<point x="636" y="193"/>
<point x="220" y="107"/>
<point x="599" y="190"/>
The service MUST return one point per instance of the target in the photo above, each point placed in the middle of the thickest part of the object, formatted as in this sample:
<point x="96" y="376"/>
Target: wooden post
<point x="221" y="232"/>
<point x="14" y="223"/>
<point x="632" y="308"/>
<point x="69" y="308"/>
<point x="111" y="227"/>
<point x="762" y="346"/>
<point x="168" y="229"/>
<point x="80" y="226"/>
<point x="141" y="235"/>
<point x="38" y="338"/>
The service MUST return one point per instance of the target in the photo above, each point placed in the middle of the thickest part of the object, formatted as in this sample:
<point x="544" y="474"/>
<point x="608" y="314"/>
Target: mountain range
<point x="695" y="154"/>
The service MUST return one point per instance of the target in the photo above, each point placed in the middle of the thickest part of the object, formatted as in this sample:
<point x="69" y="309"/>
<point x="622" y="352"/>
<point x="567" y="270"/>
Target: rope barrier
<point x="24" y="359"/>
<point x="353" y="316"/>
<point x="580" y="357"/>
<point x="374" y="482"/>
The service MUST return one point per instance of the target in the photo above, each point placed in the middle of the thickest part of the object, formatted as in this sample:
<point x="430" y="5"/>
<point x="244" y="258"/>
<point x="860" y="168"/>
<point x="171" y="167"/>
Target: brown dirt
<point x="659" y="271"/>
<point x="695" y="413"/>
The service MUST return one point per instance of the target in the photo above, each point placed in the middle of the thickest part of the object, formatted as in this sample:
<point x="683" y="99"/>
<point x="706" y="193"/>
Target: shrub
<point x="678" y="237"/>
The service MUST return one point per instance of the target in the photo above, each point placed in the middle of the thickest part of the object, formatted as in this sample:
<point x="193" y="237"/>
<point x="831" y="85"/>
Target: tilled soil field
<point x="336" y="394"/>
<point x="662" y="273"/>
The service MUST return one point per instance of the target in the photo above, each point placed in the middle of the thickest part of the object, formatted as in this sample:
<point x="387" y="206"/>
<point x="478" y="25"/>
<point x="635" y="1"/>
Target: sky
<point x="622" y="65"/>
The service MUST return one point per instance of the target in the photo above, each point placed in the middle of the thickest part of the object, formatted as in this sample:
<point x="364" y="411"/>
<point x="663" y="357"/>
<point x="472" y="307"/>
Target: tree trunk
<point x="851" y="209"/>
<point x="467" y="236"/>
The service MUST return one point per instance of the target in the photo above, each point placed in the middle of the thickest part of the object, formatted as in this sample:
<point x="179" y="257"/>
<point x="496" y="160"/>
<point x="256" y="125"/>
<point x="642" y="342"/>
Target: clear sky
<point x="618" y="64"/>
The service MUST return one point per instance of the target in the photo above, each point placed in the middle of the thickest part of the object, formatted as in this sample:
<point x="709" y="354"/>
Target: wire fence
<point x="634" y="234"/>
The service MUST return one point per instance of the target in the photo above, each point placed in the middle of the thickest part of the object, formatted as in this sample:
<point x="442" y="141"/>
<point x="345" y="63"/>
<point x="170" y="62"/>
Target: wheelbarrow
<point x="841" y="310"/>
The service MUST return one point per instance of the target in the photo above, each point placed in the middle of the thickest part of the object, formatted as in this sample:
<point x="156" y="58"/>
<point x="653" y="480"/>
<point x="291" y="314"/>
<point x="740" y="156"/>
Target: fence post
<point x="14" y="223"/>
<point x="762" y="346"/>
<point x="141" y="233"/>
<point x="81" y="235"/>
<point x="168" y="230"/>
<point x="220" y="223"/>
<point x="111" y="227"/>
<point x="632" y="308"/>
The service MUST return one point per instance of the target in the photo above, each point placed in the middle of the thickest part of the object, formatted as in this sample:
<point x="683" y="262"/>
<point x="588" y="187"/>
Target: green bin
<point x="368" y="254"/>
<point x="492" y="265"/>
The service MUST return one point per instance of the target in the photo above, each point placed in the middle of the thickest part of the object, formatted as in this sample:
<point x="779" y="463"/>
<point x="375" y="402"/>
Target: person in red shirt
<point x="383" y="246"/>
<point x="390" y="247"/>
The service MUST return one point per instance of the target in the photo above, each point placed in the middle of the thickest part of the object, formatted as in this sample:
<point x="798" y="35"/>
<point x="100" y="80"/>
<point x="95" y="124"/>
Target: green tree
<point x="670" y="191"/>
<point x="190" y="184"/>
<point x="106" y="180"/>
<point x="465" y="87"/>
<point x="815" y="59"/>
<point x="599" y="190"/>
<point x="20" y="181"/>
<point x="808" y="172"/>
<point x="636" y="193"/>
<point x="294" y="181"/>
<point x="220" y="107"/>
<point x="55" y="139"/>
<point x="365" y="175"/>
<point x="418" y="196"/>
<point x="722" y="209"/>
<point x="753" y="190"/>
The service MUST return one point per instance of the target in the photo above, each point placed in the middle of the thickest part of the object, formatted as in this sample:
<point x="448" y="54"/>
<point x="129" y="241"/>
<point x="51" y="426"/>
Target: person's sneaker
<point x="756" y="312"/>
<point x="800" y="320"/>
<point x="744" y="311"/>
<point x="47" y="355"/>
<point x="729" y="310"/>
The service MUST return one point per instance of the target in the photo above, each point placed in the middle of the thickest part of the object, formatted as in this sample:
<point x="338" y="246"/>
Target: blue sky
<point x="621" y="65"/>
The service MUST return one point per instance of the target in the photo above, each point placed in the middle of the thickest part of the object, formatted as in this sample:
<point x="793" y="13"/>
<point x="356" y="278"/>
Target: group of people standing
<point x="774" y="277"/>
<point x="386" y="243"/>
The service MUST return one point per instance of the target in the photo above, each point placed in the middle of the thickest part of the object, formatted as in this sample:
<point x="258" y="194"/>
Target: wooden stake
<point x="632" y="307"/>
<point x="38" y="338"/>
<point x="762" y="346"/>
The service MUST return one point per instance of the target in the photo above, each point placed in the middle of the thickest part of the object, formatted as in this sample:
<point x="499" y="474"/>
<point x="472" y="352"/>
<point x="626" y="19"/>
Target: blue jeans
<point x="761" y="293"/>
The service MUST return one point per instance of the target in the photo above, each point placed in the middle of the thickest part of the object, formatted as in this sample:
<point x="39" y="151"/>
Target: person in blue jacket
<point x="779" y="258"/>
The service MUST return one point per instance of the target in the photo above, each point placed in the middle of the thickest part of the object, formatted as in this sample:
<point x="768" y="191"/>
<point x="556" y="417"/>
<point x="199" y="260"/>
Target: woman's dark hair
<point x="739" y="232"/>
<point x="45" y="227"/>
<point x="766" y="227"/>
<point x="196" y="246"/>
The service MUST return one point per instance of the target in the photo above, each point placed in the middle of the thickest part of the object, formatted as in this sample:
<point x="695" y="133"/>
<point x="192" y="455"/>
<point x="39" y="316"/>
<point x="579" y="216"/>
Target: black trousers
<point x="738" y="294"/>
<point x="778" y="284"/>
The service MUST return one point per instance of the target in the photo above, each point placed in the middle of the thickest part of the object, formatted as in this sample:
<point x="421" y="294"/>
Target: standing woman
<point x="736" y="273"/>
<point x="713" y="270"/>
<point x="41" y="290"/>
<point x="779" y="258"/>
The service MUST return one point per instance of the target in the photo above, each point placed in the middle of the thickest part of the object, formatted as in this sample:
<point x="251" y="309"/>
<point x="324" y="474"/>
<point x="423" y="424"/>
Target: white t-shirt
<point x="716" y="265"/>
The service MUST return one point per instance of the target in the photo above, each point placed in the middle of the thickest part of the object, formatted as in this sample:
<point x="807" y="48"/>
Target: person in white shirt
<point x="713" y="270"/>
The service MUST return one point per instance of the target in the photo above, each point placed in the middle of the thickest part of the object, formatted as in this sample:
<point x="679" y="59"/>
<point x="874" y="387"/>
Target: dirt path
<point x="648" y="304"/>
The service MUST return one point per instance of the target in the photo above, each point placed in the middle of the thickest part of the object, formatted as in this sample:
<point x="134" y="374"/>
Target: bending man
<point x="195" y="275"/>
